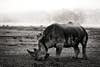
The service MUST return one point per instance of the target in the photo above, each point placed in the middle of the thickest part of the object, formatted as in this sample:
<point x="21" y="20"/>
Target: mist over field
<point x="46" y="12"/>
<point x="86" y="18"/>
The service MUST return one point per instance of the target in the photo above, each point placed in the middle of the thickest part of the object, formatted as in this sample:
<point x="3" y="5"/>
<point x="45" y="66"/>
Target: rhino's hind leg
<point x="84" y="44"/>
<point x="84" y="52"/>
<point x="77" y="51"/>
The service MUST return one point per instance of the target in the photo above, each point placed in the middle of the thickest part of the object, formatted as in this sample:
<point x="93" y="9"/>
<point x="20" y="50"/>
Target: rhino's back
<point x="74" y="30"/>
<point x="65" y="29"/>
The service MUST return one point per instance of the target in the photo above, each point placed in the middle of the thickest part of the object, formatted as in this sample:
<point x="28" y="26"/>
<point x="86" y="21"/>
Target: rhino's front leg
<point x="77" y="51"/>
<point x="59" y="50"/>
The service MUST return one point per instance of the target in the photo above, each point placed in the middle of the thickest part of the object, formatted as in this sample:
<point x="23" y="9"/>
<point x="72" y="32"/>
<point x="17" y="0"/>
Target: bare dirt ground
<point x="13" y="45"/>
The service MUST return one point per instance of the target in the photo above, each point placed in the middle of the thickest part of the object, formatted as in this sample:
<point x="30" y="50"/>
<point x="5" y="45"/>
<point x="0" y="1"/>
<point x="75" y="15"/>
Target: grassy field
<point x="15" y="41"/>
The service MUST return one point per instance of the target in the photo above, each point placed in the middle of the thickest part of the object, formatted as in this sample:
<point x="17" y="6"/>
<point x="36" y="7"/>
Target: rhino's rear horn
<point x="30" y="51"/>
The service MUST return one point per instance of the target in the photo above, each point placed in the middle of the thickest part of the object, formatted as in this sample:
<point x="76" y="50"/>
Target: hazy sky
<point x="26" y="12"/>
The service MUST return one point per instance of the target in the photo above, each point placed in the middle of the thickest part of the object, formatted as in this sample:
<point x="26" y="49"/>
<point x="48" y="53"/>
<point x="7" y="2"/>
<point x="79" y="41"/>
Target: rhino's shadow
<point x="63" y="60"/>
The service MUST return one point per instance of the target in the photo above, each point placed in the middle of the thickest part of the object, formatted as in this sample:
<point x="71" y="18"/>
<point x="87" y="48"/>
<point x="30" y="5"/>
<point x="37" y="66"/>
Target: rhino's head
<point x="32" y="53"/>
<point x="38" y="54"/>
<point x="41" y="52"/>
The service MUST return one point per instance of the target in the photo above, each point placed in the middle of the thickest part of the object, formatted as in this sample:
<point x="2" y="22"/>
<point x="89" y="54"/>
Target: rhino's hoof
<point x="85" y="58"/>
<point x="75" y="57"/>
